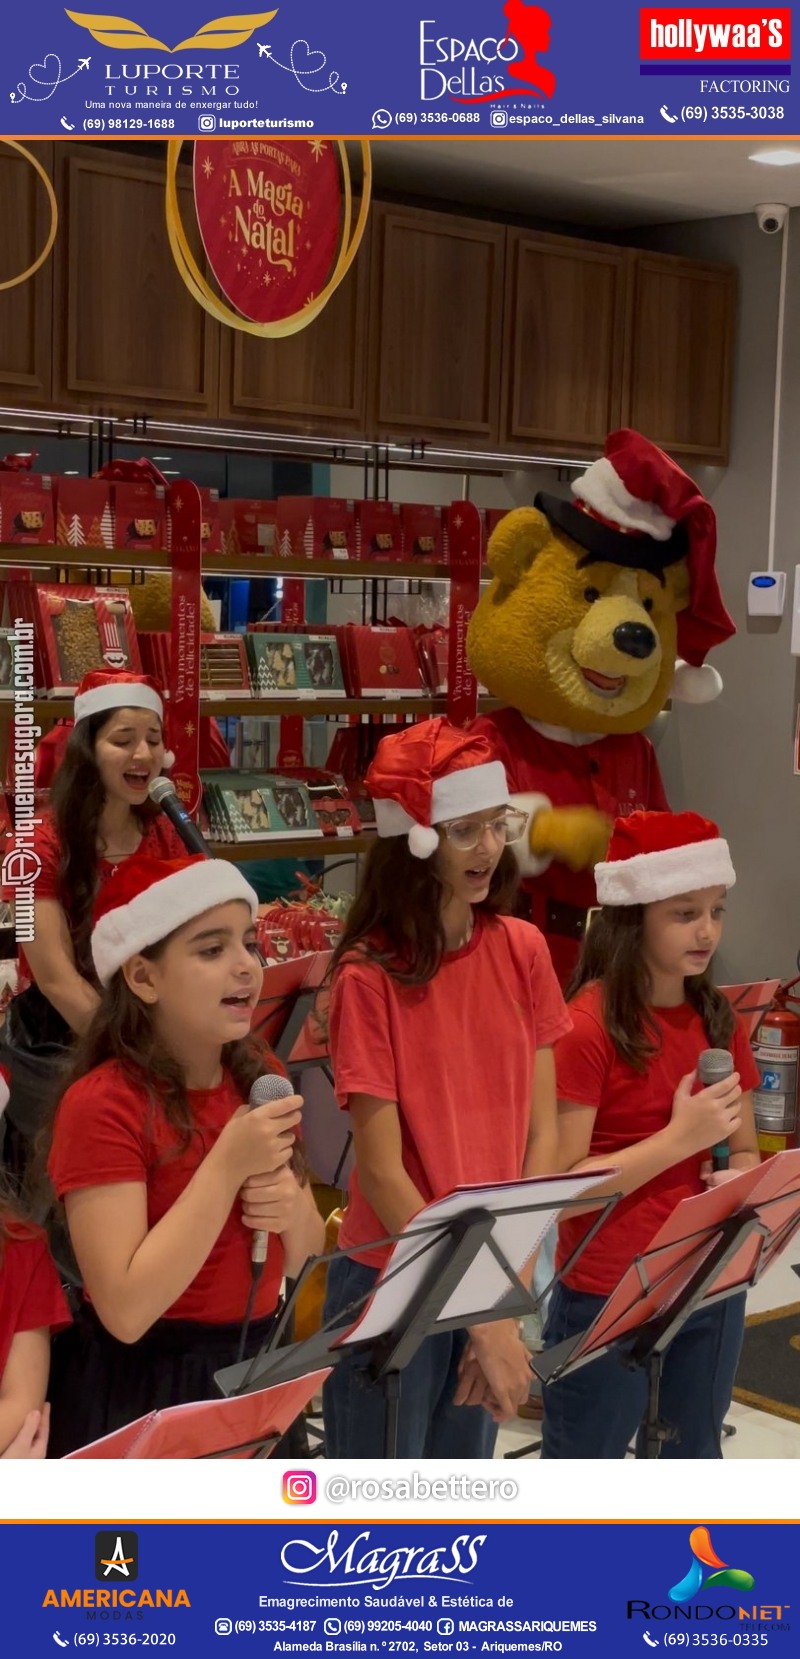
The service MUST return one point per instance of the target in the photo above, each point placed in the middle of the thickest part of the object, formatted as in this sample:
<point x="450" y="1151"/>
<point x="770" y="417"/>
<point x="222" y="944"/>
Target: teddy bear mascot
<point x="599" y="609"/>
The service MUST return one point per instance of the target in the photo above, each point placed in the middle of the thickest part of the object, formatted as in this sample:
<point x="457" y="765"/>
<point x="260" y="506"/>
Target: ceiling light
<point x="777" y="158"/>
<point x="162" y="457"/>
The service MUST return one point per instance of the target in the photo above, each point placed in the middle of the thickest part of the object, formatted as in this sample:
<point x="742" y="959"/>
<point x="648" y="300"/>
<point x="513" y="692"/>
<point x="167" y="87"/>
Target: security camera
<point x="771" y="217"/>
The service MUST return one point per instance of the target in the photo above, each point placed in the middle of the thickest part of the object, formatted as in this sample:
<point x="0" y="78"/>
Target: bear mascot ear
<point x="513" y="546"/>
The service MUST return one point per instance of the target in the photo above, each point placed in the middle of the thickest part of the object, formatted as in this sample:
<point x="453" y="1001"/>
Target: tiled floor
<point x="758" y="1433"/>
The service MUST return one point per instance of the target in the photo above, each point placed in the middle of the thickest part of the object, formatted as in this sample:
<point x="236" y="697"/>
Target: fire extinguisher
<point x="776" y="1047"/>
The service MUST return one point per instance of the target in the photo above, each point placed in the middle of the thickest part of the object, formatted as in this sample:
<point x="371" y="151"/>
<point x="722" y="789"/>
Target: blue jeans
<point x="429" y="1424"/>
<point x="596" y="1412"/>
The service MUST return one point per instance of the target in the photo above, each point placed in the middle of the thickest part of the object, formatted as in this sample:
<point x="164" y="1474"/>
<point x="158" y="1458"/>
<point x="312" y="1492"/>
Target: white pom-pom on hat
<point x="422" y="840"/>
<point x="695" y="685"/>
<point x="169" y="760"/>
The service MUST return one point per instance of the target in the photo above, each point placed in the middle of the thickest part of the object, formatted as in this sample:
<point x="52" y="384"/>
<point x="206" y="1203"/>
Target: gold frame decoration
<point x="14" y="282"/>
<point x="212" y="303"/>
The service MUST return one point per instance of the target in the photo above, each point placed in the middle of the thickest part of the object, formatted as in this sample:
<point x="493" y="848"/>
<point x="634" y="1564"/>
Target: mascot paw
<point x="577" y="836"/>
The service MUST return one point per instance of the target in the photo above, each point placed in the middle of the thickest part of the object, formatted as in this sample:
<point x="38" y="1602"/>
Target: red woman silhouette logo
<point x="530" y="28"/>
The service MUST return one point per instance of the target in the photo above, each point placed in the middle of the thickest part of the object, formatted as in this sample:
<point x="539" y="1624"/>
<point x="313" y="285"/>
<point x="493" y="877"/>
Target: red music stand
<point x="714" y="1245"/>
<point x="249" y="1426"/>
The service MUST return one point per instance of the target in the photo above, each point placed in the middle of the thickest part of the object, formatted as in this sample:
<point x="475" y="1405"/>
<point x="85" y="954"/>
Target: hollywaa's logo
<point x="220" y="34"/>
<point x="450" y="65"/>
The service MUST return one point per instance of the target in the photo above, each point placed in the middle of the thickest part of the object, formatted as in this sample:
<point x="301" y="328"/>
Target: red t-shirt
<point x="31" y="1297"/>
<point x="457" y="1055"/>
<point x="159" y="840"/>
<point x="106" y="1131"/>
<point x="629" y="1107"/>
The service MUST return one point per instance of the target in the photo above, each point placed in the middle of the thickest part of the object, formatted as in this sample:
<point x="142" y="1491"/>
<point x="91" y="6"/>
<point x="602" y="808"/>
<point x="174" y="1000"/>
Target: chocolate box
<point x="83" y="512"/>
<point x="423" y="533"/>
<point x="83" y="628"/>
<point x="315" y="527"/>
<point x="383" y="662"/>
<point x="139" y="515"/>
<point x="379" y="534"/>
<point x="26" y="509"/>
<point x="294" y="664"/>
<point x="224" y="670"/>
<point x="247" y="526"/>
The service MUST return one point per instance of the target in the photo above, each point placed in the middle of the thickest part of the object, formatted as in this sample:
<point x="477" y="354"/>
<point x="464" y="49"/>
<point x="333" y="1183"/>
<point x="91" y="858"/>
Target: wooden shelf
<point x="326" y="846"/>
<point x="103" y="558"/>
<point x="264" y="708"/>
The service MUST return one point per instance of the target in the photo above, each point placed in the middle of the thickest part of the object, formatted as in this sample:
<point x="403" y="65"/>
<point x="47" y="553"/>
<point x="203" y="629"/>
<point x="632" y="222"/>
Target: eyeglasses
<point x="467" y="833"/>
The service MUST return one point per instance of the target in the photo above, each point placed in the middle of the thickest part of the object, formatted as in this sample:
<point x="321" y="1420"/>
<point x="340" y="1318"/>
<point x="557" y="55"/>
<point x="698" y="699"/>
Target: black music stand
<point x="715" y="1245"/>
<point x="457" y="1263"/>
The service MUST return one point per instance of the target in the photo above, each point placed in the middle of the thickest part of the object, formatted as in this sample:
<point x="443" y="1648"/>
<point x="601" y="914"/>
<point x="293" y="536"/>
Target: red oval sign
<point x="269" y="214"/>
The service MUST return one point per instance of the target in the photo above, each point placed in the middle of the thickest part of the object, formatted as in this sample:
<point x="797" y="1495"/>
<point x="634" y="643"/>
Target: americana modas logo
<point x="116" y="1557"/>
<point x="220" y="34"/>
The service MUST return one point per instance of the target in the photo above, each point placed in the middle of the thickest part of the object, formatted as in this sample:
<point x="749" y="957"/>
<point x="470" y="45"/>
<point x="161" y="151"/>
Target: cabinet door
<point x="26" y="312"/>
<point x="437" y="311"/>
<point x="564" y="342"/>
<point x="129" y="334"/>
<point x="313" y="381"/>
<point x="681" y="350"/>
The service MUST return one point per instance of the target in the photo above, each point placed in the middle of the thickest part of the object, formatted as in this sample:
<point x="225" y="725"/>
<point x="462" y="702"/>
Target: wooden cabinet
<point x="563" y="348"/>
<point x="315" y="380"/>
<point x="26" y="312"/>
<point x="678" y="380"/>
<point x="129" y="336"/>
<point x="437" y="326"/>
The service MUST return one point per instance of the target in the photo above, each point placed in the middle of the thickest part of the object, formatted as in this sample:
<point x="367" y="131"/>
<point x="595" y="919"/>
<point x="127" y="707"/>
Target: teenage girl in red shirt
<point x="443" y="1013"/>
<point x="161" y="1168"/>
<point x="643" y="1009"/>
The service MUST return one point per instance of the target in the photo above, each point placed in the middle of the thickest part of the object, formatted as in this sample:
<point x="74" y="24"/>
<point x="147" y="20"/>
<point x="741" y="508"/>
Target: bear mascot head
<point x="598" y="611"/>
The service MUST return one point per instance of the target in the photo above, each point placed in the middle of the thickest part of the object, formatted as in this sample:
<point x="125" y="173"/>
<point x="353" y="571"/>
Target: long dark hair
<point x="77" y="798"/>
<point x="123" y="1029"/>
<point x="395" y="918"/>
<point x="613" y="954"/>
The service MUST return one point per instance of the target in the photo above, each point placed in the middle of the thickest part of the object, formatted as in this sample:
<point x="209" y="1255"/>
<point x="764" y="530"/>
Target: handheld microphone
<point x="269" y="1087"/>
<point x="165" y="795"/>
<point x="714" y="1065"/>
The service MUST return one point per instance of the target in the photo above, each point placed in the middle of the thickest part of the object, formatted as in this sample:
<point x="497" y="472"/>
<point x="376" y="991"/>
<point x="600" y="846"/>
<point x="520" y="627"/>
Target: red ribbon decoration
<point x="185" y="507"/>
<point x="18" y="463"/>
<point x="466" y="549"/>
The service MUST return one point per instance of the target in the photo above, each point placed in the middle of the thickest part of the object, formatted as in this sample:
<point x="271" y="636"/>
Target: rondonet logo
<point x="715" y="34"/>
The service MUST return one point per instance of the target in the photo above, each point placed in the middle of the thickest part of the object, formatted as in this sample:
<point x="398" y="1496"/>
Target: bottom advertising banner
<point x="305" y="1587"/>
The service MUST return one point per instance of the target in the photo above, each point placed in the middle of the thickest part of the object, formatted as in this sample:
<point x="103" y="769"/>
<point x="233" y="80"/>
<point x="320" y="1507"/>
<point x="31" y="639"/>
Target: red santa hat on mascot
<point x="636" y="507"/>
<point x="429" y="773"/>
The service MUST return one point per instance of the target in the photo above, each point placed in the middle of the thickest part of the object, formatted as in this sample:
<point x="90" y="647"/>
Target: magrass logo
<point x="704" y="1555"/>
<point x="116" y="1556"/>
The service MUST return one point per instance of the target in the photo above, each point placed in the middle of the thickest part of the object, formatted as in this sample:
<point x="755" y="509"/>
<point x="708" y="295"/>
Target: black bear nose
<point x="635" y="639"/>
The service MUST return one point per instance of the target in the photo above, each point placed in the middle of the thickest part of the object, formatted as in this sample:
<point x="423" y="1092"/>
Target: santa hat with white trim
<point x="657" y="855"/>
<point x="429" y="773"/>
<point x="104" y="689"/>
<point x="146" y="899"/>
<point x="635" y="507"/>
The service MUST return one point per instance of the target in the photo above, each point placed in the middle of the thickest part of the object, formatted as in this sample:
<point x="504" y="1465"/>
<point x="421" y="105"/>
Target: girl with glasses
<point x="444" y="1009"/>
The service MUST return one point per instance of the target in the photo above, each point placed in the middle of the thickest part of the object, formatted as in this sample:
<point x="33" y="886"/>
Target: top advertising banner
<point x="476" y="68"/>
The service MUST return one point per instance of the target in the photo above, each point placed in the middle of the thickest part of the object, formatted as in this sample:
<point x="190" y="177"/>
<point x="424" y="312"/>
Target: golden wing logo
<point x="221" y="33"/>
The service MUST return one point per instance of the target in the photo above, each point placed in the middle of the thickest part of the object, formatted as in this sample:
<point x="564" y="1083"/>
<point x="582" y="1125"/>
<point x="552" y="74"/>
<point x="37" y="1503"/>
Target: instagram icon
<point x="299" y="1486"/>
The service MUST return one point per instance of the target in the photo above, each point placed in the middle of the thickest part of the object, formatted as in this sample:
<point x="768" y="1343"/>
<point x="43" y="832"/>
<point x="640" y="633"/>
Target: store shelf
<point x="326" y="846"/>
<point x="264" y="708"/>
<point x="101" y="558"/>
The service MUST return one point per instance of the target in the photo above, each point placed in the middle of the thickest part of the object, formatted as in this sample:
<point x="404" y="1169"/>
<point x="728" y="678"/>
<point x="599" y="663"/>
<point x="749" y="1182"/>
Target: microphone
<point x="714" y="1065"/>
<point x="269" y="1087"/>
<point x="165" y="795"/>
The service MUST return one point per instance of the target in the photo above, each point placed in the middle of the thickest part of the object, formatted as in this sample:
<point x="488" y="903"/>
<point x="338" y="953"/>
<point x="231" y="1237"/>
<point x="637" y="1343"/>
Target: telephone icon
<point x="667" y="117"/>
<point x="650" y="1640"/>
<point x="69" y="128"/>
